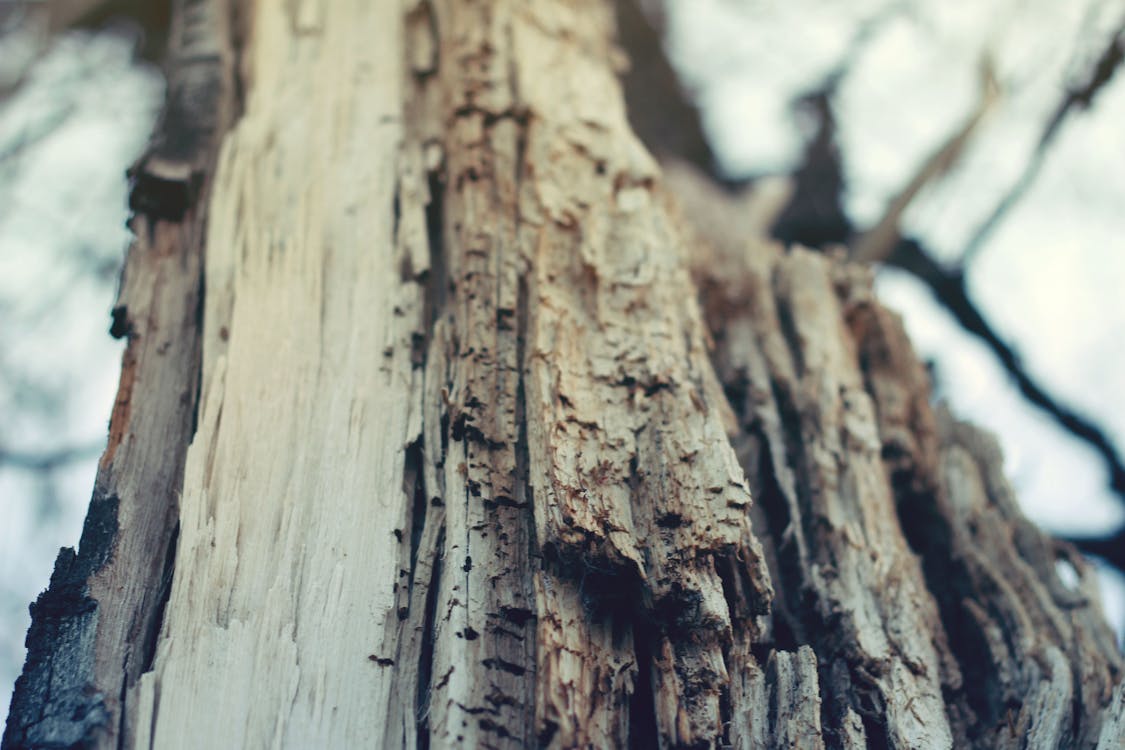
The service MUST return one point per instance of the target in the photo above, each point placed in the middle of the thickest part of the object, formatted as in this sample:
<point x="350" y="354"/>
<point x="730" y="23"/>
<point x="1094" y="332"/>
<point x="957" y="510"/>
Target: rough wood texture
<point x="794" y="701"/>
<point x="293" y="488"/>
<point x="474" y="468"/>
<point x="1112" y="736"/>
<point x="564" y="344"/>
<point x="982" y="645"/>
<point x="94" y="629"/>
<point x="1053" y="660"/>
<point x="1037" y="657"/>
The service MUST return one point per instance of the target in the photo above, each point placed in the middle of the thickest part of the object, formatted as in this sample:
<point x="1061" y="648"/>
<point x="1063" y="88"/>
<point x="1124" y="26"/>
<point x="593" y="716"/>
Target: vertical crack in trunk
<point x="644" y="731"/>
<point x="437" y="281"/>
<point x="426" y="655"/>
<point x="414" y="489"/>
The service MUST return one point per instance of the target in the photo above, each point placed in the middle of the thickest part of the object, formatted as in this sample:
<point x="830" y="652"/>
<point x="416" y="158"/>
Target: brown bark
<point x="836" y="421"/>
<point x="472" y="466"/>
<point x="93" y="631"/>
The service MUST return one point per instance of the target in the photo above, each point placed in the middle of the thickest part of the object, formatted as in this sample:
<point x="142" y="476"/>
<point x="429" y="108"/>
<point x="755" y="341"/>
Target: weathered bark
<point x="471" y="465"/>
<point x="837" y="425"/>
<point x="94" y="630"/>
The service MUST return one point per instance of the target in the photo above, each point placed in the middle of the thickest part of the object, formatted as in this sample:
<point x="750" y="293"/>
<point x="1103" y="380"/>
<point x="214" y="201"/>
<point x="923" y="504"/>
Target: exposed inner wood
<point x="508" y="436"/>
<point x="293" y="489"/>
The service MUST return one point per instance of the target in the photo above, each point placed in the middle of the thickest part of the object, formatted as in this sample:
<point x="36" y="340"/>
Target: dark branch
<point x="1076" y="98"/>
<point x="815" y="214"/>
<point x="661" y="115"/>
<point x="948" y="287"/>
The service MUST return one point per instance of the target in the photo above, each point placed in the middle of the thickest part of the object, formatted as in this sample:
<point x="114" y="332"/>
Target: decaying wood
<point x="93" y="631"/>
<point x="293" y="488"/>
<point x="1009" y="656"/>
<point x="474" y="468"/>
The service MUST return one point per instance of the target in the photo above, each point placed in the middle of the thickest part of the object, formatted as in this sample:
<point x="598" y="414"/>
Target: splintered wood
<point x="474" y="467"/>
<point x="450" y="341"/>
<point x="293" y="490"/>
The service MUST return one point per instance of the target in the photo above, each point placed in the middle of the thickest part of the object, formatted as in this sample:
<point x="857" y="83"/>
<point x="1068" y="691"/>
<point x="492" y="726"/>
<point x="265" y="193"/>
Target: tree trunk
<point x="486" y="433"/>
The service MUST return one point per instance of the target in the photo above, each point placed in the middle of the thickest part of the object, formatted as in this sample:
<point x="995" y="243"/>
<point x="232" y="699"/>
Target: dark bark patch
<point x="491" y="726"/>
<point x="53" y="704"/>
<point x="120" y="327"/>
<point x="163" y="194"/>
<point x="503" y="501"/>
<point x="643" y="732"/>
<point x="518" y="616"/>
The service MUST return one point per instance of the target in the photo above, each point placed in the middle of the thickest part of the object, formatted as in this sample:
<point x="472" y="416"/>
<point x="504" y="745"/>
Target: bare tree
<point x="449" y="418"/>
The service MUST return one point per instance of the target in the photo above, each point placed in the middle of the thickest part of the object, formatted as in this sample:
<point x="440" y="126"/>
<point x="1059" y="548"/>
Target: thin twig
<point x="1076" y="98"/>
<point x="876" y="244"/>
<point x="1110" y="547"/>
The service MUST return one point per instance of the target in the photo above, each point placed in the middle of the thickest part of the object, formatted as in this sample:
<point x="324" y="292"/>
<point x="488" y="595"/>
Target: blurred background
<point x="975" y="150"/>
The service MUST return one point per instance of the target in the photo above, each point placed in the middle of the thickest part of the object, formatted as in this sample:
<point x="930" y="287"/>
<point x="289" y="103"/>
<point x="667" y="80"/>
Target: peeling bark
<point x="493" y="449"/>
<point x="94" y="629"/>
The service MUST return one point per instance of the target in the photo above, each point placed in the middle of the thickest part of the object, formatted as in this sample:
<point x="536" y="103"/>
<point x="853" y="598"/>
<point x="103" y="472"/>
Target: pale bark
<point x="472" y="467"/>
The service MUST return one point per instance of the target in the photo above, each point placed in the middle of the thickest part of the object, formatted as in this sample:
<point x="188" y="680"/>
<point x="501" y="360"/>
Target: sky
<point x="1049" y="279"/>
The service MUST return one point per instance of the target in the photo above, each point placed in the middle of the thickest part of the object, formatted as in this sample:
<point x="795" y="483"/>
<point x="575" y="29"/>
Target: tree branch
<point x="948" y="287"/>
<point x="666" y="120"/>
<point x="815" y="214"/>
<point x="1075" y="98"/>
<point x="1110" y="547"/>
<point x="876" y="244"/>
